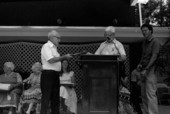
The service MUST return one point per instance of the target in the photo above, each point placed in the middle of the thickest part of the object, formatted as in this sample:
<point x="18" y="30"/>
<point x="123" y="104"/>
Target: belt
<point x="52" y="71"/>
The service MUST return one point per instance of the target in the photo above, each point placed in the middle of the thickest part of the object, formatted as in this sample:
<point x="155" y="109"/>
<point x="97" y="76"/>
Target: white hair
<point x="10" y="65"/>
<point x="53" y="33"/>
<point x="110" y="29"/>
<point x="36" y="65"/>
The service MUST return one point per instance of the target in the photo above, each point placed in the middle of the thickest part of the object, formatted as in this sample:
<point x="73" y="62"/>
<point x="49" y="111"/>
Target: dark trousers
<point x="50" y="86"/>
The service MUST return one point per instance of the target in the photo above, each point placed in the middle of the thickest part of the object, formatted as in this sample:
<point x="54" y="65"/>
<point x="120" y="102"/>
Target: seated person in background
<point x="10" y="99"/>
<point x="33" y="94"/>
<point x="67" y="92"/>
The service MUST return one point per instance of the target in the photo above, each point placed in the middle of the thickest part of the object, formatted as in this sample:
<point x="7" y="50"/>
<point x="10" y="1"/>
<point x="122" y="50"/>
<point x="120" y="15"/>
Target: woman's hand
<point x="26" y="81"/>
<point x="11" y="87"/>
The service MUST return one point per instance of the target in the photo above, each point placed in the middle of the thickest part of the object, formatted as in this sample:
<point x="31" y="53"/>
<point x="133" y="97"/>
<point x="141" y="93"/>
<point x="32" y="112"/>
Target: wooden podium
<point x="100" y="84"/>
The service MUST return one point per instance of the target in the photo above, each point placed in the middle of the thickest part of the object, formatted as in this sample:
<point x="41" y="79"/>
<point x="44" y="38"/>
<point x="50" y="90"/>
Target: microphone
<point x="109" y="39"/>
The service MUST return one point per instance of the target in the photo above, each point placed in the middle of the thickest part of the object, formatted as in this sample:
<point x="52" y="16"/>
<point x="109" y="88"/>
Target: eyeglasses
<point x="108" y="35"/>
<point x="57" y="37"/>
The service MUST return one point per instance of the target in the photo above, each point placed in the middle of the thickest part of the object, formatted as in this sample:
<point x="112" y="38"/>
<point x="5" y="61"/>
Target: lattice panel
<point x="24" y="54"/>
<point x="10" y="52"/>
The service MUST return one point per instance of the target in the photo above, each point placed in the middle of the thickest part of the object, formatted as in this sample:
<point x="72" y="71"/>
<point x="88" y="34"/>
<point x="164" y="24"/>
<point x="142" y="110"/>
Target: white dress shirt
<point x="48" y="51"/>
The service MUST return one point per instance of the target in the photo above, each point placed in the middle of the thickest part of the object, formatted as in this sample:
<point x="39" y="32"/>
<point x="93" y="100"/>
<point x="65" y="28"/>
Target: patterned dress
<point x="33" y="94"/>
<point x="10" y="98"/>
<point x="124" y="106"/>
<point x="68" y="93"/>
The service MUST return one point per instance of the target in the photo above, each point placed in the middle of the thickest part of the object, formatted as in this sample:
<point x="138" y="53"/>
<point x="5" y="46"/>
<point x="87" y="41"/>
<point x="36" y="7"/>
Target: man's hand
<point x="139" y="68"/>
<point x="143" y="73"/>
<point x="68" y="56"/>
<point x="88" y="53"/>
<point x="122" y="58"/>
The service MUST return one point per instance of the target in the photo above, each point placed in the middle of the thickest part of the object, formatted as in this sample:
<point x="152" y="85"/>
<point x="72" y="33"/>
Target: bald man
<point x="111" y="46"/>
<point x="51" y="64"/>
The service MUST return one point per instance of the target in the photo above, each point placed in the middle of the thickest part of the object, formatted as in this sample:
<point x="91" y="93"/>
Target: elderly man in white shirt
<point x="51" y="63"/>
<point x="111" y="46"/>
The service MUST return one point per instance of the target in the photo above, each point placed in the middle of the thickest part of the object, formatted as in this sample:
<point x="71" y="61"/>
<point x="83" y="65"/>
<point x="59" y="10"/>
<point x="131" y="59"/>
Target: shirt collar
<point x="8" y="74"/>
<point x="50" y="43"/>
<point x="150" y="39"/>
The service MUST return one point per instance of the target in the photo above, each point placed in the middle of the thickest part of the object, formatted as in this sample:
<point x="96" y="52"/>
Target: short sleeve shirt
<point x="149" y="48"/>
<point x="48" y="51"/>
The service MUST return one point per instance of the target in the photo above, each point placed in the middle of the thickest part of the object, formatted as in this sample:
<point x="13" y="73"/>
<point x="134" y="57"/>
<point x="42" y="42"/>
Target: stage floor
<point x="163" y="109"/>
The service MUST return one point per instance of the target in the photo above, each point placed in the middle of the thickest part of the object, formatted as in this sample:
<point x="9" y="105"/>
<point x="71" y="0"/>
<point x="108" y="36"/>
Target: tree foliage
<point x="155" y="12"/>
